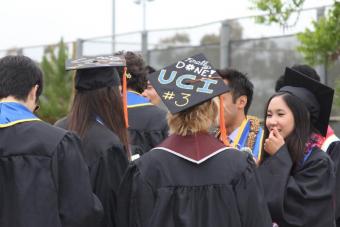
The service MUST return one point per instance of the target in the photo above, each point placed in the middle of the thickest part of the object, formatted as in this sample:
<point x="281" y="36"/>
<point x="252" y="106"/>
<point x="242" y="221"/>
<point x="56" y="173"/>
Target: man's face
<point x="230" y="107"/>
<point x="151" y="94"/>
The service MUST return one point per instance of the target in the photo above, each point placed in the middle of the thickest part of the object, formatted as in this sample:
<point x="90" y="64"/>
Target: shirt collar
<point x="233" y="135"/>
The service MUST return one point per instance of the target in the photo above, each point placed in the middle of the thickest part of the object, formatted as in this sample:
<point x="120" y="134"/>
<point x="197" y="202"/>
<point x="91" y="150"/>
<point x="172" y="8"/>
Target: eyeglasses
<point x="37" y="107"/>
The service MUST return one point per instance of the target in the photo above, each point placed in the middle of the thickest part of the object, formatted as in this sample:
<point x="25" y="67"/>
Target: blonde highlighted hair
<point x="196" y="119"/>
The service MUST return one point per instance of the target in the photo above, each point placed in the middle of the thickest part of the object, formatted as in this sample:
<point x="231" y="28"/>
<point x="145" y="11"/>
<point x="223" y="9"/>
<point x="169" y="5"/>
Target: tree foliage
<point x="210" y="39"/>
<point x="322" y="44"/>
<point x="57" y="83"/>
<point x="177" y="39"/>
<point x="278" y="11"/>
<point x="235" y="29"/>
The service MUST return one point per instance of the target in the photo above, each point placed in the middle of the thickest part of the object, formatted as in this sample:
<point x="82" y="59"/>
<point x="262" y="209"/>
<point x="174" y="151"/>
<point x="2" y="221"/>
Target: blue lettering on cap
<point x="205" y="88"/>
<point x="183" y="77"/>
<point x="166" y="81"/>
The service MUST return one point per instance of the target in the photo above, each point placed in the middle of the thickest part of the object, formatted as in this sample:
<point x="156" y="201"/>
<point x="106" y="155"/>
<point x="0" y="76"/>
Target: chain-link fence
<point x="260" y="51"/>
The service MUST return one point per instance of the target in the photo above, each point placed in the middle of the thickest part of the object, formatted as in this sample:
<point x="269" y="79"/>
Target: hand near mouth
<point x="273" y="142"/>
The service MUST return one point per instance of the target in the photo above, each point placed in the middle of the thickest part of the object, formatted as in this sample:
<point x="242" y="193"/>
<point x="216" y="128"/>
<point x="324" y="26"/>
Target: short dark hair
<point x="136" y="68"/>
<point x="297" y="139"/>
<point x="239" y="84"/>
<point x="18" y="74"/>
<point x="305" y="69"/>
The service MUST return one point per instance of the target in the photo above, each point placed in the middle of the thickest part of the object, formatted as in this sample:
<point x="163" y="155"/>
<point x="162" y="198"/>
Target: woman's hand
<point x="273" y="142"/>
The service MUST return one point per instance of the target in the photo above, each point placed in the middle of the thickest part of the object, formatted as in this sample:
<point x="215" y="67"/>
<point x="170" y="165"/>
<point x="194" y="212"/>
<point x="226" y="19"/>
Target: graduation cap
<point x="188" y="83"/>
<point x="96" y="72"/>
<point x="316" y="96"/>
<point x="99" y="72"/>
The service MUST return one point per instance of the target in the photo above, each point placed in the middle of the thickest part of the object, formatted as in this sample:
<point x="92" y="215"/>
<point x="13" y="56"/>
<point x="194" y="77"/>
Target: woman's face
<point x="279" y="116"/>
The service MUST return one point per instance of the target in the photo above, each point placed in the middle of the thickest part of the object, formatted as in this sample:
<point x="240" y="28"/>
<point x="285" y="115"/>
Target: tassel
<point x="125" y="99"/>
<point x="223" y="129"/>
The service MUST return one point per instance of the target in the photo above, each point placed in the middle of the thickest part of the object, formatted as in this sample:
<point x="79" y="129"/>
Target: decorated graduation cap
<point x="99" y="72"/>
<point x="96" y="72"/>
<point x="316" y="96"/>
<point x="188" y="83"/>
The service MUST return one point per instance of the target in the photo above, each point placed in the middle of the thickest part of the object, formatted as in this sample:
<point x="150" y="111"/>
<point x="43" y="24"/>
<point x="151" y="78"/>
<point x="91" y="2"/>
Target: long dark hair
<point x="297" y="139"/>
<point x="105" y="103"/>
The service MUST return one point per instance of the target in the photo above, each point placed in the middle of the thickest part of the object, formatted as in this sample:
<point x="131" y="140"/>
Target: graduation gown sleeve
<point x="78" y="206"/>
<point x="136" y="199"/>
<point x="106" y="173"/>
<point x="302" y="198"/>
<point x="334" y="152"/>
<point x="250" y="198"/>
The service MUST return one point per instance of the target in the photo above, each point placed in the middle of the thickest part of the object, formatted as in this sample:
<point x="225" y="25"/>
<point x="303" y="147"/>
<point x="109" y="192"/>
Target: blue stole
<point x="242" y="137"/>
<point x="135" y="99"/>
<point x="12" y="113"/>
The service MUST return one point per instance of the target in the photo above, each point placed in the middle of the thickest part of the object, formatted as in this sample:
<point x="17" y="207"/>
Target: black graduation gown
<point x="147" y="128"/>
<point x="107" y="161"/>
<point x="166" y="188"/>
<point x="44" y="180"/>
<point x="300" y="199"/>
<point x="334" y="152"/>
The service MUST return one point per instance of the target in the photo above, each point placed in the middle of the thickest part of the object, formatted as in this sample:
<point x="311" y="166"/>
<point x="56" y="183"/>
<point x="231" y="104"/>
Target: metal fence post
<point x="145" y="46"/>
<point x="224" y="44"/>
<point x="79" y="48"/>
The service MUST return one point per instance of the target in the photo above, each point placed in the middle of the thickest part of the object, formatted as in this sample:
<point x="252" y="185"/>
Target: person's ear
<point x="32" y="98"/>
<point x="242" y="101"/>
<point x="32" y="95"/>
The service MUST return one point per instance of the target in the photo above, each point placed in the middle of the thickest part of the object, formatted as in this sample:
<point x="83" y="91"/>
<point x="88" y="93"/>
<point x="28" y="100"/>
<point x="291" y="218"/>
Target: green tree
<point x="320" y="45"/>
<point x="57" y="83"/>
<point x="278" y="11"/>
<point x="210" y="39"/>
<point x="235" y="29"/>
<point x="178" y="39"/>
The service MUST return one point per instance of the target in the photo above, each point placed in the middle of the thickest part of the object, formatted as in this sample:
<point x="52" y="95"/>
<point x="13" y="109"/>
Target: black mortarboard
<point x="316" y="96"/>
<point x="187" y="83"/>
<point x="96" y="72"/>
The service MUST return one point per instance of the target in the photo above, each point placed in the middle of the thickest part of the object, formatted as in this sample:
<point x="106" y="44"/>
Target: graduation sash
<point x="12" y="113"/>
<point x="249" y="137"/>
<point x="134" y="99"/>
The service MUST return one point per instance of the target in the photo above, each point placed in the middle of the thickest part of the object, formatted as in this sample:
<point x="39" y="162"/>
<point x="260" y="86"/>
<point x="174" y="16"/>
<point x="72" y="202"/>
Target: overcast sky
<point x="36" y="22"/>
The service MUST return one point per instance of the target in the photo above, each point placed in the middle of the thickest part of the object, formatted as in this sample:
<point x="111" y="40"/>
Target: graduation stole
<point x="12" y="113"/>
<point x="249" y="137"/>
<point x="315" y="140"/>
<point x="134" y="99"/>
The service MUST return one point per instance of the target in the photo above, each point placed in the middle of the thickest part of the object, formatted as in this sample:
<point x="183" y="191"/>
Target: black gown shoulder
<point x="334" y="152"/>
<point x="303" y="197"/>
<point x="42" y="171"/>
<point x="161" y="189"/>
<point x="107" y="162"/>
<point x="147" y="128"/>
